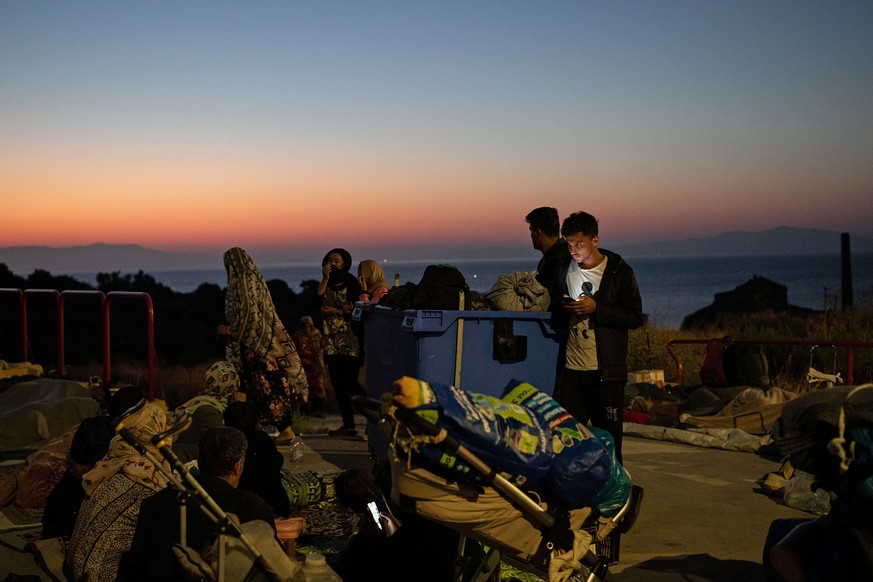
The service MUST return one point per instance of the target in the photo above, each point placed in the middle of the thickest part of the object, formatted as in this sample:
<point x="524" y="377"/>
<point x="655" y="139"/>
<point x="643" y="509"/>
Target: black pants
<point x="587" y="397"/>
<point x="343" y="372"/>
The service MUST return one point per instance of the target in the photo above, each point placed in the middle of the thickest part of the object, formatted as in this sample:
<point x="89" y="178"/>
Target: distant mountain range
<point x="783" y="240"/>
<point x="99" y="257"/>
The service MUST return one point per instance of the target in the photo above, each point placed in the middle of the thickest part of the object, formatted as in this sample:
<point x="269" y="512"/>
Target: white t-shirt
<point x="581" y="341"/>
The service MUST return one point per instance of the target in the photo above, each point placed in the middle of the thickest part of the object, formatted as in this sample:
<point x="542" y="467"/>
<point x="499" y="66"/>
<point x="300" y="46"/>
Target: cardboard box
<point x="651" y="376"/>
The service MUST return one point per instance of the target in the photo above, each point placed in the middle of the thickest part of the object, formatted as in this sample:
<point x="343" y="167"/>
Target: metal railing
<point x="849" y="345"/>
<point x="106" y="300"/>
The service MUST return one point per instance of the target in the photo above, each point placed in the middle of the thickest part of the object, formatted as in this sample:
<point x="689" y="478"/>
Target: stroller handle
<point x="181" y="426"/>
<point x="369" y="407"/>
<point x="118" y="423"/>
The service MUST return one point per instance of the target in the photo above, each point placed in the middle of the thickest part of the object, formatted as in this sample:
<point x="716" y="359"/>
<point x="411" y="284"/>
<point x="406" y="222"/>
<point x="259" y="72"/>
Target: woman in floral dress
<point x="338" y="291"/>
<point x="259" y="347"/>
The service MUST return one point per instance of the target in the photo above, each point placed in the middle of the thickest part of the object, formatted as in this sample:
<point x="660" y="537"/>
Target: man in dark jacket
<point x="545" y="236"/>
<point x="220" y="461"/>
<point x="600" y="292"/>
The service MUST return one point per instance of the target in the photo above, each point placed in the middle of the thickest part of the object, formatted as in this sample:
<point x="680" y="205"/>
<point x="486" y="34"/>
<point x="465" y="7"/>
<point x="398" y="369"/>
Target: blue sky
<point x="303" y="125"/>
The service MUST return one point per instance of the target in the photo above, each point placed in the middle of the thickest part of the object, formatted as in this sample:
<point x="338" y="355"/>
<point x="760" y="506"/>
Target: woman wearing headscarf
<point x="338" y="291"/>
<point x="114" y="489"/>
<point x="371" y="278"/>
<point x="259" y="347"/>
<point x="310" y="347"/>
<point x="206" y="409"/>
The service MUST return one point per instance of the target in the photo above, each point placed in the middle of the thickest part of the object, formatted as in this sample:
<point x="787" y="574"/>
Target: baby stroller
<point x="498" y="520"/>
<point x="828" y="433"/>
<point x="247" y="551"/>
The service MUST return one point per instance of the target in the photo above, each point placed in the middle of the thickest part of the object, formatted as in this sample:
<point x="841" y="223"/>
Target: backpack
<point x="712" y="371"/>
<point x="440" y="288"/>
<point x="746" y="365"/>
<point x="400" y="297"/>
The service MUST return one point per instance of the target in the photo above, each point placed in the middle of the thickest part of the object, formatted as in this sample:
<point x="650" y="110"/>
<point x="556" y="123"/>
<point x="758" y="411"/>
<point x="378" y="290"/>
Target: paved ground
<point x="702" y="517"/>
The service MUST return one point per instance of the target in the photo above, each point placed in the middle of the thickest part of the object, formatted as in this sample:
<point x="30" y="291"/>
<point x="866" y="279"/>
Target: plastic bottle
<point x="296" y="454"/>
<point x="315" y="569"/>
<point x="397" y="279"/>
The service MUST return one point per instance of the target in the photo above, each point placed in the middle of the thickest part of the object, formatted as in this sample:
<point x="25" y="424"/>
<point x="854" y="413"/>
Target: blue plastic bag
<point x="582" y="465"/>
<point x="512" y="439"/>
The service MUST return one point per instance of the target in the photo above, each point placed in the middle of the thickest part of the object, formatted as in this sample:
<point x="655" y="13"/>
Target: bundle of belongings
<point x="524" y="439"/>
<point x="443" y="286"/>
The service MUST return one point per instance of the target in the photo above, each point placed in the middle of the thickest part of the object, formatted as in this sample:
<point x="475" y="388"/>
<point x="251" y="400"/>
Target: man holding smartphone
<point x="599" y="291"/>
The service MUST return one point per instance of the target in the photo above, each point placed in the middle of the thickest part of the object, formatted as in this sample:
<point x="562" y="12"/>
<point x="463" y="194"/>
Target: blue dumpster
<point x="479" y="351"/>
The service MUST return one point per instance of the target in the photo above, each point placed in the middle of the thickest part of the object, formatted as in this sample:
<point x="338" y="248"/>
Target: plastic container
<point x="315" y="569"/>
<point x="288" y="531"/>
<point x="295" y="455"/>
<point x="479" y="351"/>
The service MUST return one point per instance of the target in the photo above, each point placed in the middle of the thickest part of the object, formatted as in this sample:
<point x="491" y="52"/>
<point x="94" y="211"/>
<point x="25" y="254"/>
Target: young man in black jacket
<point x="601" y="295"/>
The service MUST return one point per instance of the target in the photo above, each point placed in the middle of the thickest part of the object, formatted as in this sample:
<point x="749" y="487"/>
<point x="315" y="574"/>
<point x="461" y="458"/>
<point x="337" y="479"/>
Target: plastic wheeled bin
<point x="478" y="351"/>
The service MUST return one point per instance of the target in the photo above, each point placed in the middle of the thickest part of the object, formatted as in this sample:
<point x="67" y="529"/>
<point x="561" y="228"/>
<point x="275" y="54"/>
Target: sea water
<point x="671" y="287"/>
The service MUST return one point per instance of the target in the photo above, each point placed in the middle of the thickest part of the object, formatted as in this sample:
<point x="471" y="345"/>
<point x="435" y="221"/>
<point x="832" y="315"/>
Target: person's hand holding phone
<point x="584" y="305"/>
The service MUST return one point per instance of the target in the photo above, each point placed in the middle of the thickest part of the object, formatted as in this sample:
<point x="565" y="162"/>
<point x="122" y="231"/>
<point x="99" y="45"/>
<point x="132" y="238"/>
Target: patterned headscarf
<point x="221" y="382"/>
<point x="248" y="305"/>
<point x="123" y="458"/>
<point x="253" y="322"/>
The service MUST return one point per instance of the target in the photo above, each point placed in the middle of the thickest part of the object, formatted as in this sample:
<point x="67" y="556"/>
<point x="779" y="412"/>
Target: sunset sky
<point x="200" y="125"/>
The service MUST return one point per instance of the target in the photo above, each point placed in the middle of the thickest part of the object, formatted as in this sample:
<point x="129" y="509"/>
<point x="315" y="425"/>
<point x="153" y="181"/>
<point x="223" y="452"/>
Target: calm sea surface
<point x="671" y="287"/>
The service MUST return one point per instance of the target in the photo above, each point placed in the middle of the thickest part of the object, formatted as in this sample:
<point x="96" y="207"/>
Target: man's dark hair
<point x="580" y="222"/>
<point x="220" y="450"/>
<point x="545" y="219"/>
<point x="355" y="488"/>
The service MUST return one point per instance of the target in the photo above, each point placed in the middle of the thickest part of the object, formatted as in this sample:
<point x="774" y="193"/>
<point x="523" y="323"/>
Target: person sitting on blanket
<point x="391" y="551"/>
<point x="90" y="444"/>
<point x="206" y="409"/>
<point x="262" y="471"/>
<point x="221" y="459"/>
<point x="114" y="490"/>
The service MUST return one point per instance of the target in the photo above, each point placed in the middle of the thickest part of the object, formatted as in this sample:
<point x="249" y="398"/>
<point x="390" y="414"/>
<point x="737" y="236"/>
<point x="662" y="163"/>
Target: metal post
<point x="846" y="271"/>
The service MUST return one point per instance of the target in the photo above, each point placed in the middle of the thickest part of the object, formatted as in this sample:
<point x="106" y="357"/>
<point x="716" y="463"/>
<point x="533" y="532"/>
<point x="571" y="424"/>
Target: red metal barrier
<point x="105" y="306"/>
<point x="62" y="338"/>
<point x="850" y="346"/>
<point x="150" y="334"/>
<point x="22" y="328"/>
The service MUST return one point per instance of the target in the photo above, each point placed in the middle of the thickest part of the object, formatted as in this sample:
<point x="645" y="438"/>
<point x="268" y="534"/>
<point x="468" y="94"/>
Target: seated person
<point x="30" y="486"/>
<point x="114" y="490"/>
<point x="390" y="553"/>
<point x="262" y="473"/>
<point x="220" y="460"/>
<point x="90" y="444"/>
<point x="206" y="409"/>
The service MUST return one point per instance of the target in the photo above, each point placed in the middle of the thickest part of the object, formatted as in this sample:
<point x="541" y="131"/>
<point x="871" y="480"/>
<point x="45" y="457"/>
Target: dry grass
<point x="646" y="350"/>
<point x="788" y="365"/>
